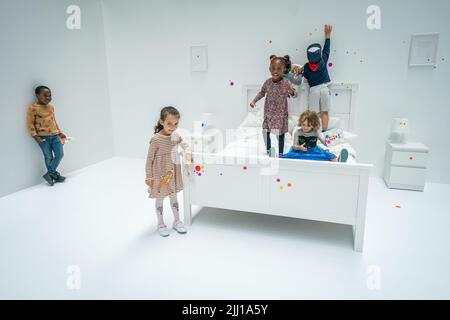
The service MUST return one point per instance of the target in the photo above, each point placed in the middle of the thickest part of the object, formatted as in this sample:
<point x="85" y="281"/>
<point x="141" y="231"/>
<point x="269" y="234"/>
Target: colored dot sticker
<point x="336" y="94"/>
<point x="198" y="168"/>
<point x="278" y="180"/>
<point x="398" y="206"/>
<point x="281" y="187"/>
<point x="290" y="185"/>
<point x="411" y="158"/>
<point x="245" y="168"/>
<point x="270" y="41"/>
<point x="330" y="64"/>
<point x="231" y="83"/>
<point x="310" y="34"/>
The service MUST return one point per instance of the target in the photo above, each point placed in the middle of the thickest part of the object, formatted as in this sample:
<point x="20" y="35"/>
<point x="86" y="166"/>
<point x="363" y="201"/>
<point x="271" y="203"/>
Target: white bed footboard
<point x="322" y="191"/>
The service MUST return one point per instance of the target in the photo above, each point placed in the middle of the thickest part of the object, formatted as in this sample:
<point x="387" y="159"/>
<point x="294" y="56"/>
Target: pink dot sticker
<point x="231" y="83"/>
<point x="330" y="64"/>
<point x="278" y="180"/>
<point x="245" y="168"/>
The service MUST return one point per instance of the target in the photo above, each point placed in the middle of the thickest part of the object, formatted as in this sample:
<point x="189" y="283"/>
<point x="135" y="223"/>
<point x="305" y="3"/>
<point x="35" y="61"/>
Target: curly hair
<point x="311" y="117"/>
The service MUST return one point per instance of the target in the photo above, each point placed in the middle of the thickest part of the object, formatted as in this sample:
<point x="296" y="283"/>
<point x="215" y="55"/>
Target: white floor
<point x="101" y="221"/>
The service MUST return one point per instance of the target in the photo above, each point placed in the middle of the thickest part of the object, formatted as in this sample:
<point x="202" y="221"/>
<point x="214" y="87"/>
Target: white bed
<point x="242" y="177"/>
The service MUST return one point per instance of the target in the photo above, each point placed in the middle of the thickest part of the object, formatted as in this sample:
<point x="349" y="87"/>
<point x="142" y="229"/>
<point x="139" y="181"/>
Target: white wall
<point x="37" y="48"/>
<point x="148" y="55"/>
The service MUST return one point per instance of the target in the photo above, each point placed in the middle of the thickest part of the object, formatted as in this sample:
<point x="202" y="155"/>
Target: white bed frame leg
<point x="187" y="207"/>
<point x="359" y="227"/>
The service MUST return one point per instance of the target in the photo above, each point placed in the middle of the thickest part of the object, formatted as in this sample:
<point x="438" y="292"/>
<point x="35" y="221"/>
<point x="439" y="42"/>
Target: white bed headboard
<point x="343" y="101"/>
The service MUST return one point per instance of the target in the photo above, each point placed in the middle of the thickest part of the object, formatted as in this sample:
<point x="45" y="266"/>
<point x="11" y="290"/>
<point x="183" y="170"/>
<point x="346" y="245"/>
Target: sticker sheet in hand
<point x="295" y="70"/>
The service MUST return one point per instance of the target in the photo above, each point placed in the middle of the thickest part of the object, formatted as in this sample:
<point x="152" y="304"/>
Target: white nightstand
<point x="204" y="142"/>
<point x="405" y="165"/>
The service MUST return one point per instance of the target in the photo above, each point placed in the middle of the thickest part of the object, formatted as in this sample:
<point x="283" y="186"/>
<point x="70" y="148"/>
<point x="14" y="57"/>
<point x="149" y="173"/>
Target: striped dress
<point x="163" y="165"/>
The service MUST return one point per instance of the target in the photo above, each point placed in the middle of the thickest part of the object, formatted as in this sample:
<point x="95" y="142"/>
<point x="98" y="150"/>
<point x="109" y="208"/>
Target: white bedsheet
<point x="249" y="142"/>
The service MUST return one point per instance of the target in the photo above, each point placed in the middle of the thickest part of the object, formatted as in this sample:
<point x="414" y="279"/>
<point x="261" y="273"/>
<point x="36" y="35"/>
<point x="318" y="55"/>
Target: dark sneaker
<point x="58" y="177"/>
<point x="48" y="178"/>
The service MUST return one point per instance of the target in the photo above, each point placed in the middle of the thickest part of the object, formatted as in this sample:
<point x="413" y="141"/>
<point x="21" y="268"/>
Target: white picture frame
<point x="199" y="58"/>
<point x="423" y="50"/>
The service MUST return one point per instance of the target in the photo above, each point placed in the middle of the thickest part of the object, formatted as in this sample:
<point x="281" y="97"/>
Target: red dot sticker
<point x="231" y="83"/>
<point x="330" y="64"/>
<point x="245" y="168"/>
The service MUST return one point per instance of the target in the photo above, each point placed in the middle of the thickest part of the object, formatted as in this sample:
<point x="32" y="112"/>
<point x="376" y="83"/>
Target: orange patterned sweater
<point x="41" y="120"/>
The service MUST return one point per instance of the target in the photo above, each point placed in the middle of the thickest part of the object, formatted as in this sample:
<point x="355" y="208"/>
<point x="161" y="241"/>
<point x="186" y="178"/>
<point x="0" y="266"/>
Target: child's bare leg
<point x="159" y="211"/>
<point x="325" y="118"/>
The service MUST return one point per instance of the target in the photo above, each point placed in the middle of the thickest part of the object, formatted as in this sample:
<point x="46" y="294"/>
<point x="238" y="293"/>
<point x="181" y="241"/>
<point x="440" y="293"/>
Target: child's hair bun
<point x="287" y="58"/>
<point x="272" y="57"/>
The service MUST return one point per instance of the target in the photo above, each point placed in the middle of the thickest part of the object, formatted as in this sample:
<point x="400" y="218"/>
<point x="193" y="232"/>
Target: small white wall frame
<point x="199" y="58"/>
<point x="423" y="50"/>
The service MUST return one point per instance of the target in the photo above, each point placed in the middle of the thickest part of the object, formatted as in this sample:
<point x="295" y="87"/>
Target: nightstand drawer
<point x="410" y="159"/>
<point x="407" y="176"/>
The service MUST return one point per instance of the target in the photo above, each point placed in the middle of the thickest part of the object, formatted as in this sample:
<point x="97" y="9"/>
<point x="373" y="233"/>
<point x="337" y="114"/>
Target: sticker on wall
<point x="270" y="41"/>
<point x="398" y="206"/>
<point x="199" y="170"/>
<point x="330" y="64"/>
<point x="245" y="167"/>
<point x="231" y="83"/>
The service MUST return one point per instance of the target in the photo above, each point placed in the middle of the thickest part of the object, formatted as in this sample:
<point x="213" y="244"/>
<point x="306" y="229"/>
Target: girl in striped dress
<point x="163" y="168"/>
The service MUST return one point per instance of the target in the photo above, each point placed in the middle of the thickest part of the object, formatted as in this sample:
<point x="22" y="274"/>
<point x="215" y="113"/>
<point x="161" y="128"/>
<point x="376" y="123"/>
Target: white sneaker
<point x="179" y="227"/>
<point x="163" y="231"/>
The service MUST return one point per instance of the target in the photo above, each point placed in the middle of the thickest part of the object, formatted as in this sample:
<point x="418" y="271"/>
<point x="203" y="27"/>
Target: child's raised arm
<point x="326" y="48"/>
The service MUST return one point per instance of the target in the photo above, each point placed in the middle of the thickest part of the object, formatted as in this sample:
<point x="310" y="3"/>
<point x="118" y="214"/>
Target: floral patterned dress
<point x="276" y="105"/>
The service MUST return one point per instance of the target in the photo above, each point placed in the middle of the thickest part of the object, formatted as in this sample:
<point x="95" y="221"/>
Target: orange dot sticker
<point x="290" y="185"/>
<point x="281" y="187"/>
<point x="398" y="206"/>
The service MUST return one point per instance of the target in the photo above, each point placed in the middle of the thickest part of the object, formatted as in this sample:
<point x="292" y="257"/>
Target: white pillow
<point x="252" y="120"/>
<point x="292" y="124"/>
<point x="333" y="123"/>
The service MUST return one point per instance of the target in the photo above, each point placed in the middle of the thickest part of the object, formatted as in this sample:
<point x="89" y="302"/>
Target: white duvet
<point x="249" y="142"/>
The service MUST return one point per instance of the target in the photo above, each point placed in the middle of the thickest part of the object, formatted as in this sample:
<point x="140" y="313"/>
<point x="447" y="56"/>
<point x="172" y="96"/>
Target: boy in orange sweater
<point x="43" y="128"/>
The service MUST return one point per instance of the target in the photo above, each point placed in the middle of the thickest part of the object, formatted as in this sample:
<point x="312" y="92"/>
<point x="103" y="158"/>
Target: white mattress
<point x="249" y="142"/>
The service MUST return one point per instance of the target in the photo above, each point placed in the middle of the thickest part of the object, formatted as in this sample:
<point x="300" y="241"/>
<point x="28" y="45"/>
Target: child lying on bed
<point x="305" y="141"/>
